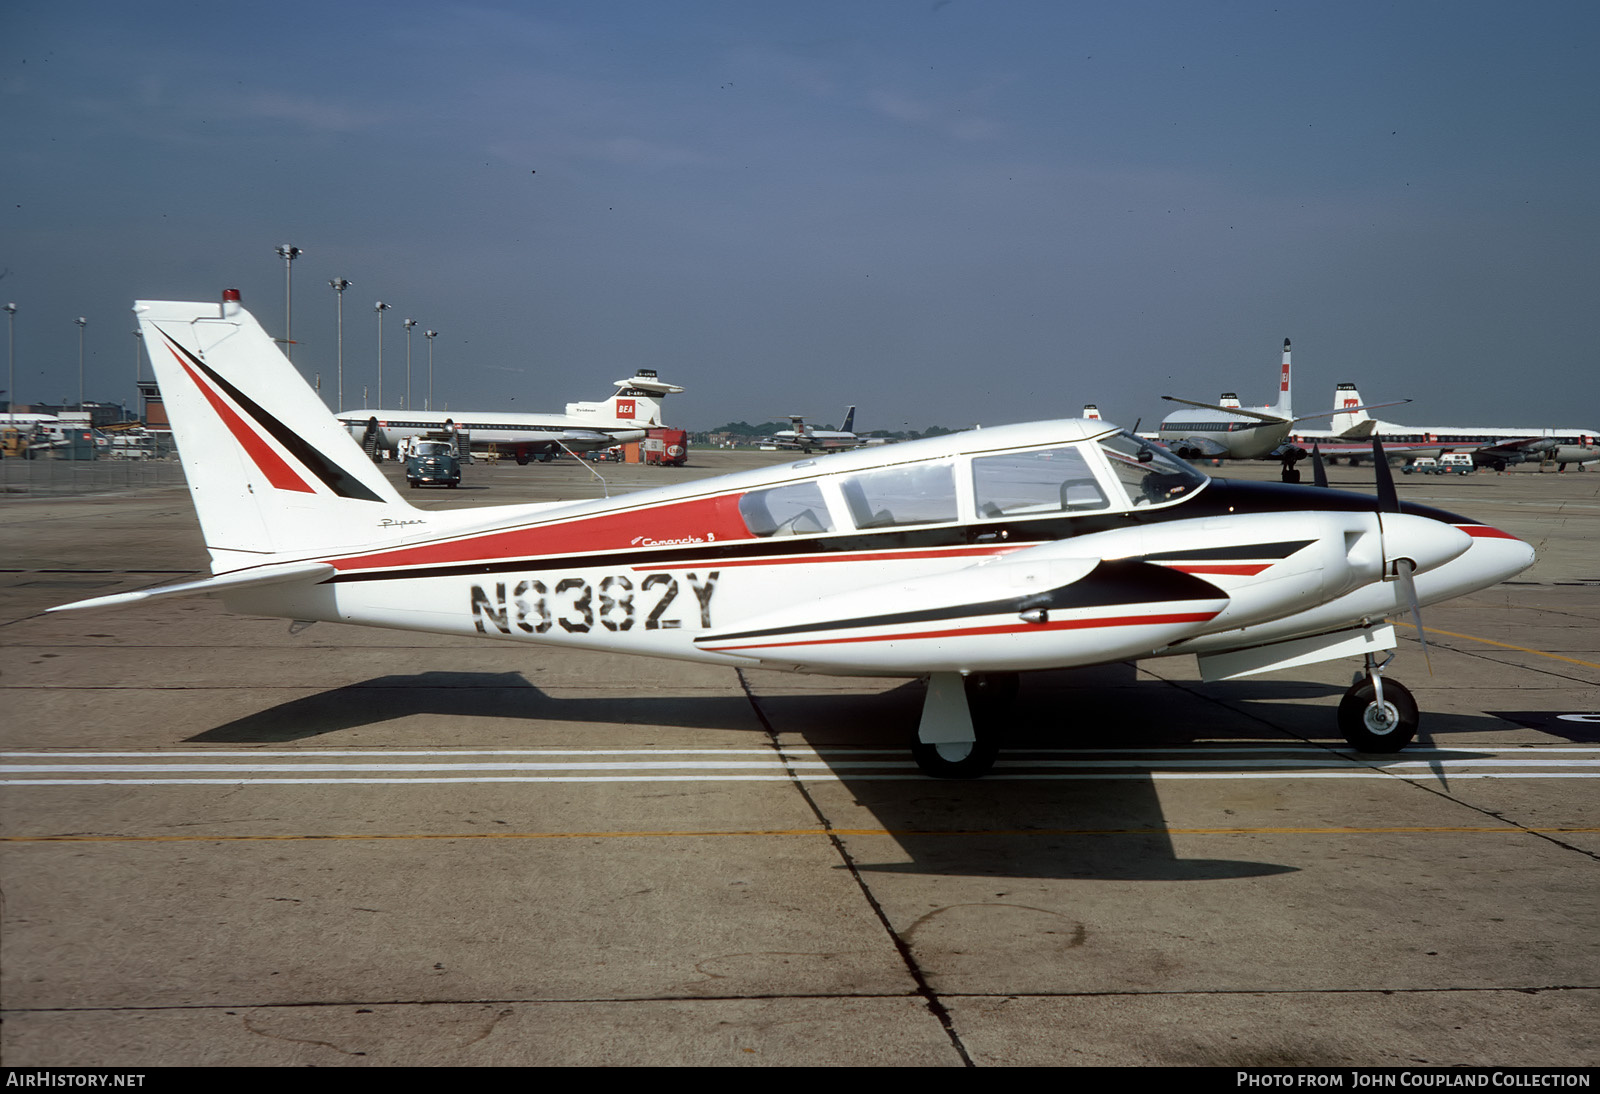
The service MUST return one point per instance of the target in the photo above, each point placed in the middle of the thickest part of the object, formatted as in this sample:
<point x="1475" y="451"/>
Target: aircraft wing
<point x="587" y="440"/>
<point x="1348" y="410"/>
<point x="1239" y="410"/>
<point x="1514" y="450"/>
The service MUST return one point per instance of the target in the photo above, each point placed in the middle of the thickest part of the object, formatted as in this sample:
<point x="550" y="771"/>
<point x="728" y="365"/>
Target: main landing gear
<point x="1377" y="715"/>
<point x="961" y="718"/>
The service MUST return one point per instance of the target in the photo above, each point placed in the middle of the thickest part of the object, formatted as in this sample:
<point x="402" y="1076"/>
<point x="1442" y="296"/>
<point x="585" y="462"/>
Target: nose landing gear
<point x="1377" y="715"/>
<point x="961" y="721"/>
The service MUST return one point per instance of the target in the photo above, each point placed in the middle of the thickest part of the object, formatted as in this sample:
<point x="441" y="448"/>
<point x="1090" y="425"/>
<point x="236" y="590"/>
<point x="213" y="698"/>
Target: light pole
<point x="288" y="254"/>
<point x="82" y="322"/>
<point x="339" y="285"/>
<point x="430" y="335"/>
<point x="408" y="325"/>
<point x="380" y="307"/>
<point x="11" y="355"/>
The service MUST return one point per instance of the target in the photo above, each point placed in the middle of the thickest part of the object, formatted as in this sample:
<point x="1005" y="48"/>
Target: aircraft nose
<point x="1428" y="543"/>
<point x="1496" y="553"/>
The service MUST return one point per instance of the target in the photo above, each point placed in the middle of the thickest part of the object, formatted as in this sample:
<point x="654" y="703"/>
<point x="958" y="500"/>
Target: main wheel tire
<point x="1370" y="728"/>
<point x="963" y="760"/>
<point x="522" y="458"/>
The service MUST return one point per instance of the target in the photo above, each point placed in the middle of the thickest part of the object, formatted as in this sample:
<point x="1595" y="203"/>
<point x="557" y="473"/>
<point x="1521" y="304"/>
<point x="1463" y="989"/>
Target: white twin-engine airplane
<point x="966" y="558"/>
<point x="626" y="416"/>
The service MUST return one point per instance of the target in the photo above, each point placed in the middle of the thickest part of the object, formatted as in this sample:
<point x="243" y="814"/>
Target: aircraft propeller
<point x="1319" y="473"/>
<point x="1389" y="502"/>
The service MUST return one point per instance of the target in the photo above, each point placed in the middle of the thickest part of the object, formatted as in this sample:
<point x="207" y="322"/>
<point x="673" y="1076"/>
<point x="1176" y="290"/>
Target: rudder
<point x="271" y="471"/>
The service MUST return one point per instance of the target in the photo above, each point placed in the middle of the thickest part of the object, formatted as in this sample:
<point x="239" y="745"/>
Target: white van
<point x="1425" y="465"/>
<point x="1458" y="462"/>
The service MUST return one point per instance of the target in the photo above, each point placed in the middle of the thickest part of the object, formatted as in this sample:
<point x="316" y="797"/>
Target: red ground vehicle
<point x="668" y="447"/>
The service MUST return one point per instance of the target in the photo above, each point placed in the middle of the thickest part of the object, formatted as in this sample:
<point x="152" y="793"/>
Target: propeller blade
<point x="1319" y="473"/>
<point x="1402" y="572"/>
<point x="1388" y="500"/>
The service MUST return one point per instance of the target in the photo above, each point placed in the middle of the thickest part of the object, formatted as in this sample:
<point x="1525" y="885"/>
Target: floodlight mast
<point x="339" y="285"/>
<point x="380" y="307"/>
<point x="82" y="322"/>
<point x="11" y="356"/>
<point x="288" y="253"/>
<point x="409" y="323"/>
<point x="430" y="335"/>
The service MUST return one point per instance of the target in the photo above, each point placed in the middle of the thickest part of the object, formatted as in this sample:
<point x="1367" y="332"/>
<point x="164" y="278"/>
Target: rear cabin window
<point x="1050" y="480"/>
<point x="797" y="509"/>
<point x="918" y="493"/>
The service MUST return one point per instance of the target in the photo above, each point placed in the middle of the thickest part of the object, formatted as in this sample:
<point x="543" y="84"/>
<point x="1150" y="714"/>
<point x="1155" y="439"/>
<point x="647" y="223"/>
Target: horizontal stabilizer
<point x="219" y="583"/>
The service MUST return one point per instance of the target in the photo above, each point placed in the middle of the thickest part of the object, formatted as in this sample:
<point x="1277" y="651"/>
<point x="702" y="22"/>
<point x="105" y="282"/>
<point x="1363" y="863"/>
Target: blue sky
<point x="945" y="211"/>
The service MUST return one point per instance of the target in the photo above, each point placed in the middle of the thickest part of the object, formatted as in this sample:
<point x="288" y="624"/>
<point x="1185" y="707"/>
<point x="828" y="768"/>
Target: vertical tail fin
<point x="271" y="471"/>
<point x="1346" y="395"/>
<point x="637" y="402"/>
<point x="1283" y="405"/>
<point x="849" y="421"/>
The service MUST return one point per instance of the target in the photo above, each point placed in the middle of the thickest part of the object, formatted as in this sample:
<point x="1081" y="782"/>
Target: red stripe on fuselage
<point x="278" y="473"/>
<point x="1483" y="531"/>
<point x="1243" y="570"/>
<point x="1001" y="628"/>
<point x="694" y="523"/>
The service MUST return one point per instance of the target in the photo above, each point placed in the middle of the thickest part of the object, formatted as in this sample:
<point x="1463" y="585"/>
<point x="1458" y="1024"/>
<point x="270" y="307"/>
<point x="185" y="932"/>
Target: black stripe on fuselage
<point x="334" y="477"/>
<point x="1221" y="497"/>
<point x="1108" y="585"/>
<point x="1233" y="554"/>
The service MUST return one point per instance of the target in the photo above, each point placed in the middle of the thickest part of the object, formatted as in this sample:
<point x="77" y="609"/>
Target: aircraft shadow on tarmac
<point x="1111" y="829"/>
<point x="465" y="695"/>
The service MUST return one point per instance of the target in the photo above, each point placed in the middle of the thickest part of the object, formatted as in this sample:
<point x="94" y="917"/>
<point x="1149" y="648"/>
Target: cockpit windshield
<point x="1149" y="474"/>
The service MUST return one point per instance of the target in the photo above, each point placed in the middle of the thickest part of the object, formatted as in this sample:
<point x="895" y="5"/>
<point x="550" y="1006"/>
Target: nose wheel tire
<point x="988" y="698"/>
<point x="961" y="760"/>
<point x="1373" y="727"/>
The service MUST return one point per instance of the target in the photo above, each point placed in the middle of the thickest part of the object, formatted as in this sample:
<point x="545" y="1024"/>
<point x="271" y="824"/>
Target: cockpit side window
<point x="1149" y="474"/>
<point x="796" y="509"/>
<point x="1050" y="480"/>
<point x="915" y="493"/>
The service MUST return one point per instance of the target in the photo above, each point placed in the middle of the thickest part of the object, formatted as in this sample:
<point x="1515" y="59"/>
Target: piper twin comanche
<point x="966" y="559"/>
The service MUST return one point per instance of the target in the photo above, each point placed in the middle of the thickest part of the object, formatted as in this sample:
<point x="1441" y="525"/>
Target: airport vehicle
<point x="665" y="447"/>
<point x="626" y="416"/>
<point x="14" y="442"/>
<point x="1228" y="430"/>
<point x="1495" y="447"/>
<point x="68" y="435"/>
<point x="1425" y="465"/>
<point x="967" y="558"/>
<point x="808" y="439"/>
<point x="433" y="462"/>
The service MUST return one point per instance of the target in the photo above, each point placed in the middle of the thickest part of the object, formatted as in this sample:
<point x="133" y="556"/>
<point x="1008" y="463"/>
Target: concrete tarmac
<point x="227" y="843"/>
